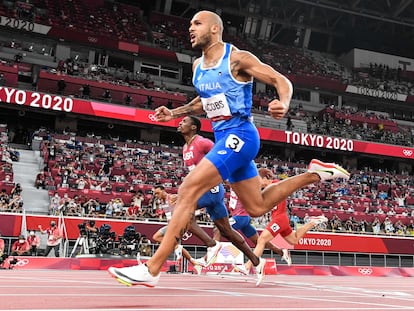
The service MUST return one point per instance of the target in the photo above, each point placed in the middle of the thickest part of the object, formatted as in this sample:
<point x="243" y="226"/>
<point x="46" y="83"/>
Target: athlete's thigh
<point x="249" y="193"/>
<point x="213" y="201"/>
<point x="243" y="224"/>
<point x="200" y="180"/>
<point x="279" y="224"/>
<point x="159" y="234"/>
<point x="265" y="236"/>
<point x="212" y="197"/>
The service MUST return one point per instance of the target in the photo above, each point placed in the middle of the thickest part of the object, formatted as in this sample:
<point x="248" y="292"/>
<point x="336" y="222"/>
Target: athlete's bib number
<point x="216" y="106"/>
<point x="233" y="200"/>
<point x="216" y="189"/>
<point x="275" y="227"/>
<point x="234" y="143"/>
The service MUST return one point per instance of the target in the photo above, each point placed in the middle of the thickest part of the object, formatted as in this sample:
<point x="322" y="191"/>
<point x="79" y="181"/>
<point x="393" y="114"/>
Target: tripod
<point x="81" y="241"/>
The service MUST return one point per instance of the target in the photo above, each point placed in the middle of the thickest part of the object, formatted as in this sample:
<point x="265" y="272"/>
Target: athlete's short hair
<point x="196" y="121"/>
<point x="159" y="186"/>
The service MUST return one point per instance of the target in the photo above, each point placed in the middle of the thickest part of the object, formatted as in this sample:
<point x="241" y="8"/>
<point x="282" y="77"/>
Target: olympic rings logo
<point x="407" y="153"/>
<point x="365" y="271"/>
<point x="92" y="39"/>
<point x="152" y="117"/>
<point x="186" y="236"/>
<point x="22" y="262"/>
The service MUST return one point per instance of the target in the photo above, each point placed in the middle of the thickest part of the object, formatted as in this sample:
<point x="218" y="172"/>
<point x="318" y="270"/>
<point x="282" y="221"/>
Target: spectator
<point x="85" y="91"/>
<point x="40" y="180"/>
<point x="91" y="229"/>
<point x="149" y="102"/>
<point x="65" y="179"/>
<point x="349" y="224"/>
<point x="401" y="199"/>
<point x="145" y="246"/>
<point x="54" y="237"/>
<point x="18" y="57"/>
<point x="34" y="243"/>
<point x="289" y="124"/>
<point x="136" y="203"/>
<point x="388" y="226"/>
<point x="376" y="226"/>
<point x="109" y="209"/>
<point x="21" y="247"/>
<point x="106" y="169"/>
<point x="128" y="100"/>
<point x="81" y="183"/>
<point x="294" y="220"/>
<point x="61" y="86"/>
<point x="107" y="96"/>
<point x="16" y="204"/>
<point x="54" y="204"/>
<point x="118" y="206"/>
<point x="90" y="207"/>
<point x="2" y="79"/>
<point x="335" y="223"/>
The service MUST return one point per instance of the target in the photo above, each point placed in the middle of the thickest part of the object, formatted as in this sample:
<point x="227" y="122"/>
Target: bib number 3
<point x="234" y="143"/>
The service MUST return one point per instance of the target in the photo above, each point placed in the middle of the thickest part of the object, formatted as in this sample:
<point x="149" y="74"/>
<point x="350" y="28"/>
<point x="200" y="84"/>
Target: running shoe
<point x="134" y="275"/>
<point x="327" y="171"/>
<point x="260" y="273"/>
<point x="197" y="269"/>
<point x="286" y="256"/>
<point x="212" y="253"/>
<point x="317" y="220"/>
<point x="178" y="252"/>
<point x="199" y="262"/>
<point x="241" y="269"/>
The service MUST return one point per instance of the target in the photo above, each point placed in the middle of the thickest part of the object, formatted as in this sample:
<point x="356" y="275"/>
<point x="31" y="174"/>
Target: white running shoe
<point x="199" y="262"/>
<point x="260" y="273"/>
<point x="134" y="275"/>
<point x="197" y="269"/>
<point x="327" y="171"/>
<point x="212" y="253"/>
<point x="241" y="269"/>
<point x="286" y="256"/>
<point x="178" y="252"/>
<point x="317" y="220"/>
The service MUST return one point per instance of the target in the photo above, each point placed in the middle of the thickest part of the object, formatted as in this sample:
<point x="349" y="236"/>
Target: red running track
<point x="96" y="291"/>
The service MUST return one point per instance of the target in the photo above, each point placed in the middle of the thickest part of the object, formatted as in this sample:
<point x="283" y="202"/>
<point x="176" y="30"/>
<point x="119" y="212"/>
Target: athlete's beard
<point x="203" y="42"/>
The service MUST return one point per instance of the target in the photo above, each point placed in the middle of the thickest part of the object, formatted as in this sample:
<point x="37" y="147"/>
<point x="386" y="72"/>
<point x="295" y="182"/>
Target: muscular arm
<point x="245" y="65"/>
<point x="194" y="107"/>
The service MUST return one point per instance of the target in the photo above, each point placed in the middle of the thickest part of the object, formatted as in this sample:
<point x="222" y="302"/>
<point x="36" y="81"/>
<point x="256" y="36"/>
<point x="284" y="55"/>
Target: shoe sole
<point x="128" y="282"/>
<point x="237" y="269"/>
<point x="318" y="221"/>
<point x="327" y="165"/>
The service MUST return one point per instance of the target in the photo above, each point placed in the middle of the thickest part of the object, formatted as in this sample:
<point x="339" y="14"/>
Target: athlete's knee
<point x="225" y="231"/>
<point x="254" y="211"/>
<point x="189" y="193"/>
<point x="157" y="237"/>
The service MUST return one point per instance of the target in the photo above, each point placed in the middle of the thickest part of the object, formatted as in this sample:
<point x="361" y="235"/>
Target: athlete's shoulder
<point x="242" y="56"/>
<point x="196" y="63"/>
<point x="201" y="140"/>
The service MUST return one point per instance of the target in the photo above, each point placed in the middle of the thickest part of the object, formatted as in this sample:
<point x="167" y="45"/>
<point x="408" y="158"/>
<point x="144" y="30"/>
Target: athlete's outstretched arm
<point x="246" y="62"/>
<point x="194" y="107"/>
